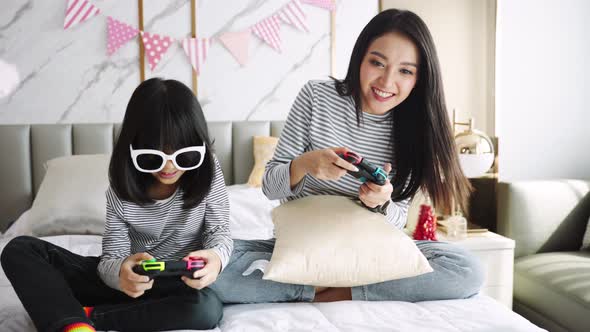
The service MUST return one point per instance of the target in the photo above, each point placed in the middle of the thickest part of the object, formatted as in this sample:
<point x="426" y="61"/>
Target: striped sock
<point x="88" y="311"/>
<point x="79" y="327"/>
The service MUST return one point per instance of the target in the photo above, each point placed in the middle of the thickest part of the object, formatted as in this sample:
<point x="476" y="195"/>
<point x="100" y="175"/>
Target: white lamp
<point x="476" y="150"/>
<point x="476" y="156"/>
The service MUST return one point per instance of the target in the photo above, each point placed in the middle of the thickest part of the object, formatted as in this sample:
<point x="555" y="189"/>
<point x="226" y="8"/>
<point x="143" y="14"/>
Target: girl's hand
<point x="373" y="194"/>
<point x="208" y="274"/>
<point x="130" y="282"/>
<point x="324" y="164"/>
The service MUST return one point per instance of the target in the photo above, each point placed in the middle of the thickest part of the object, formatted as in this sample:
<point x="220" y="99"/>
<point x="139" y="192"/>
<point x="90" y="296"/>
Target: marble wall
<point x="66" y="76"/>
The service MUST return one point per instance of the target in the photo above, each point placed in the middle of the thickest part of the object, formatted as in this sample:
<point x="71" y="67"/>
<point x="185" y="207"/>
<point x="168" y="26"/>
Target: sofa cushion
<point x="586" y="239"/>
<point x="543" y="214"/>
<point x="556" y="284"/>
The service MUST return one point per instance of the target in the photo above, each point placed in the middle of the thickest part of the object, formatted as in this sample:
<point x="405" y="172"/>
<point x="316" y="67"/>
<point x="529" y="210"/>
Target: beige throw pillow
<point x="70" y="200"/>
<point x="332" y="241"/>
<point x="264" y="148"/>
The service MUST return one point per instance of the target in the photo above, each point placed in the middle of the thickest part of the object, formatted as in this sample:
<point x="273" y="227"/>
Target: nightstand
<point x="496" y="253"/>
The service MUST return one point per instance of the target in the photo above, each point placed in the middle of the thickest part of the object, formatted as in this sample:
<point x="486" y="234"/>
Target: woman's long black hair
<point x="425" y="152"/>
<point x="163" y="115"/>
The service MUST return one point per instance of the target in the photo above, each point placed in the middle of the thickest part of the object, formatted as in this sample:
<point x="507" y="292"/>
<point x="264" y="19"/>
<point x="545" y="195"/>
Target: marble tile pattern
<point x="66" y="76"/>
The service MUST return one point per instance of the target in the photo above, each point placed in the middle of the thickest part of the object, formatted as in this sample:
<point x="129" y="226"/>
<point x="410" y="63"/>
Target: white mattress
<point x="480" y="313"/>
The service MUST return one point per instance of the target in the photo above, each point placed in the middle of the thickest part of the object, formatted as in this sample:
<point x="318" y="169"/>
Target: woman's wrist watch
<point x="383" y="208"/>
<point x="379" y="208"/>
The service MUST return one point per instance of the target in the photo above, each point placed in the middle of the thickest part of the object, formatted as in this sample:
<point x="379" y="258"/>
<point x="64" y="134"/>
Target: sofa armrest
<point x="543" y="215"/>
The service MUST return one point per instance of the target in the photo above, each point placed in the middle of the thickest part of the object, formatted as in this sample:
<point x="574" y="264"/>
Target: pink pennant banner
<point x="269" y="31"/>
<point x="196" y="49"/>
<point x="119" y="33"/>
<point x="155" y="46"/>
<point x="79" y="11"/>
<point x="326" y="4"/>
<point x="237" y="43"/>
<point x="293" y="14"/>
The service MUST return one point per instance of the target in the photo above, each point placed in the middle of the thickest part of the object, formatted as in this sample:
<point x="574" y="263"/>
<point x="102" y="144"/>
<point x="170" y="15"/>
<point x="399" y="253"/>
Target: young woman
<point x="390" y="109"/>
<point x="167" y="200"/>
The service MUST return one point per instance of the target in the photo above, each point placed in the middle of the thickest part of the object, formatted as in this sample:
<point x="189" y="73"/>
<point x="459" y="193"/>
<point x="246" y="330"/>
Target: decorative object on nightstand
<point x="476" y="150"/>
<point x="455" y="227"/>
<point x="468" y="228"/>
<point x="426" y="227"/>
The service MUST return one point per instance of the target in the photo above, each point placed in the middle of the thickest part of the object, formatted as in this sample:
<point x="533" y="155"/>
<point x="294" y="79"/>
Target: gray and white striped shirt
<point x="320" y="118"/>
<point x="164" y="229"/>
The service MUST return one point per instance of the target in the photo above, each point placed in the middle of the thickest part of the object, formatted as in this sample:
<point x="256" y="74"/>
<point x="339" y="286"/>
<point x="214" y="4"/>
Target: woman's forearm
<point x="297" y="171"/>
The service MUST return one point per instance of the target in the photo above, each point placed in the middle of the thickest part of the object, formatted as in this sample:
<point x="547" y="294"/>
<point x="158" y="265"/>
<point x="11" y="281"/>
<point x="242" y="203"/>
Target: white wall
<point x="543" y="77"/>
<point x="464" y="34"/>
<point x="67" y="76"/>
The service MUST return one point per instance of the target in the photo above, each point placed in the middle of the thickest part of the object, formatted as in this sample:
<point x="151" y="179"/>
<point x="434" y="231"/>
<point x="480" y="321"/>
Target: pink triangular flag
<point x="119" y="33"/>
<point x="326" y="4"/>
<point x="237" y="43"/>
<point x="196" y="49"/>
<point x="269" y="31"/>
<point x="293" y="14"/>
<point x="155" y="46"/>
<point x="79" y="11"/>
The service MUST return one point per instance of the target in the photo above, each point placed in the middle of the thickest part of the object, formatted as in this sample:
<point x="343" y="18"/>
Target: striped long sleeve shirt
<point x="320" y="118"/>
<point x="164" y="229"/>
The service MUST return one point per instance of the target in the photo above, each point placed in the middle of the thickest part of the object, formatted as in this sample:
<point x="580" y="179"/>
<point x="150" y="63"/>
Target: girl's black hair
<point x="164" y="115"/>
<point x="425" y="151"/>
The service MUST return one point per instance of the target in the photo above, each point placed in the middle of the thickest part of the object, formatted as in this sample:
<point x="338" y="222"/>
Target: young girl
<point x="167" y="200"/>
<point x="390" y="109"/>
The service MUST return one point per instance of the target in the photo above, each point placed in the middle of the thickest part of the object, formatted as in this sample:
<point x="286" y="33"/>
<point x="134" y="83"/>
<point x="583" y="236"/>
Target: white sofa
<point x="547" y="219"/>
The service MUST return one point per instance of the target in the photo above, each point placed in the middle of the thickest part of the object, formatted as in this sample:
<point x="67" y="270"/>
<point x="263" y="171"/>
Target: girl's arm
<point x="217" y="236"/>
<point x="116" y="246"/>
<point x="283" y="176"/>
<point x="397" y="213"/>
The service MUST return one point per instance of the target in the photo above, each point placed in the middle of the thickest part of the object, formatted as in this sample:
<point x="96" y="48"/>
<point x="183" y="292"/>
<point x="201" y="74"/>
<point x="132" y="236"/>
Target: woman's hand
<point x="206" y="275"/>
<point x="130" y="282"/>
<point x="322" y="164"/>
<point x="373" y="194"/>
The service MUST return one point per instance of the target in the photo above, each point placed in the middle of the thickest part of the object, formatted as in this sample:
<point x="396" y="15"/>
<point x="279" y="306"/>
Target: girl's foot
<point x="333" y="294"/>
<point x="319" y="289"/>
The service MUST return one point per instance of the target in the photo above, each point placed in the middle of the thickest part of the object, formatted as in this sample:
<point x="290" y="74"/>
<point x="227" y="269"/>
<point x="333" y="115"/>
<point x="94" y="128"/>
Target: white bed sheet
<point x="480" y="313"/>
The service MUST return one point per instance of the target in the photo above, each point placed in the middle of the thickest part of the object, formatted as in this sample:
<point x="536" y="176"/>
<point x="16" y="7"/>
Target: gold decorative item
<point x="476" y="150"/>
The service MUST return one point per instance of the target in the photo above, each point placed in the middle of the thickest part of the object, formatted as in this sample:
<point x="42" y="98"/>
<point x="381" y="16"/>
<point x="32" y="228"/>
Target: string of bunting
<point x="236" y="42"/>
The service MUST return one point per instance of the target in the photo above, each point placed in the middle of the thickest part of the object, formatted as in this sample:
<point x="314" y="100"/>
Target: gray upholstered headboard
<point x="24" y="149"/>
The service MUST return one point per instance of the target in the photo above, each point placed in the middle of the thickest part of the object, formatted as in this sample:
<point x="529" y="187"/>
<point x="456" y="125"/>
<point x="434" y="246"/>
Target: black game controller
<point x="153" y="268"/>
<point x="367" y="170"/>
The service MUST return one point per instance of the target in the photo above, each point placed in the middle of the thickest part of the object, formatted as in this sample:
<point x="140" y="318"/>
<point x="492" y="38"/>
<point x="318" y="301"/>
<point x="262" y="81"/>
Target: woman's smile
<point x="381" y="95"/>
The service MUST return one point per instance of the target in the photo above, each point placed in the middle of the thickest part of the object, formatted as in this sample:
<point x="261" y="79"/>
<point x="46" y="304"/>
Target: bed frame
<point x="24" y="149"/>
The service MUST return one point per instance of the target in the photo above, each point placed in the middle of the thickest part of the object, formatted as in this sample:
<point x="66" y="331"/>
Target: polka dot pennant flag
<point x="326" y="4"/>
<point x="155" y="46"/>
<point x="196" y="49"/>
<point x="269" y="31"/>
<point x="119" y="33"/>
<point x="293" y="14"/>
<point x="78" y="11"/>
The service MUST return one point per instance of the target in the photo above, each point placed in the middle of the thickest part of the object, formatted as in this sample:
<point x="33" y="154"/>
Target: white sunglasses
<point x="152" y="161"/>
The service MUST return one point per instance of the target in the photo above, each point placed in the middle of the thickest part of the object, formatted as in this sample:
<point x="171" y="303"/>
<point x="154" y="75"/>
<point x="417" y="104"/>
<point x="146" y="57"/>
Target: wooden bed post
<point x="194" y="35"/>
<point x="141" y="50"/>
<point x="332" y="43"/>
